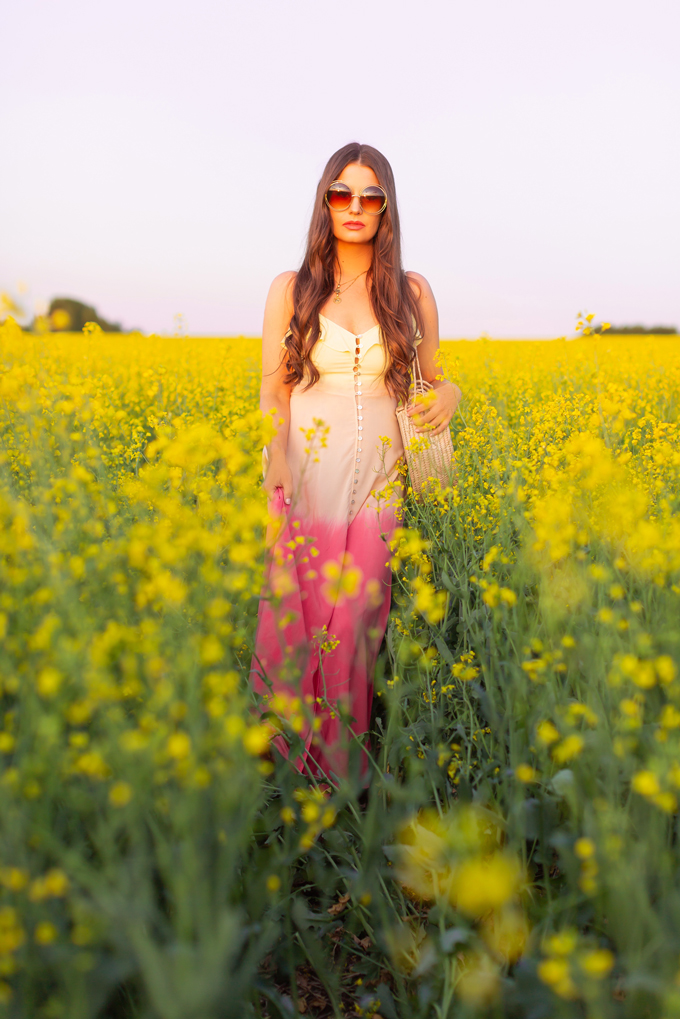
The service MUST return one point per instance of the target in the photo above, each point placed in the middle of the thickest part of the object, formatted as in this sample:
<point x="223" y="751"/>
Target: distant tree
<point x="66" y="315"/>
<point x="586" y="326"/>
<point x="644" y="330"/>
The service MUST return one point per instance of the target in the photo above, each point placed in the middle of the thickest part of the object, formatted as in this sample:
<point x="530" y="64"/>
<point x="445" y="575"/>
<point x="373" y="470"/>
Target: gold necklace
<point x="337" y="299"/>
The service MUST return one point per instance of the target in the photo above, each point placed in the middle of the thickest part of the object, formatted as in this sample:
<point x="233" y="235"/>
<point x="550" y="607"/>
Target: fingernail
<point x="287" y="502"/>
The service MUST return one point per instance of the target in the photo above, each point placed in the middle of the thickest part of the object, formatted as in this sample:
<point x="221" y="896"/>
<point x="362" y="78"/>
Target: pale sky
<point x="161" y="158"/>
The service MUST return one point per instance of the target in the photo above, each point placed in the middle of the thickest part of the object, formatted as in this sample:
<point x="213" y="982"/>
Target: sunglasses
<point x="372" y="199"/>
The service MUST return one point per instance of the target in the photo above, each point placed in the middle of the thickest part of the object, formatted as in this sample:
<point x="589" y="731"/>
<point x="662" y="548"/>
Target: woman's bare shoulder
<point x="427" y="306"/>
<point x="279" y="305"/>
<point x="419" y="285"/>
<point x="282" y="285"/>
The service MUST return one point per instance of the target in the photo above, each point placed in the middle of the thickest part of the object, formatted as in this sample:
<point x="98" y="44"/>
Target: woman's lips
<point x="352" y="224"/>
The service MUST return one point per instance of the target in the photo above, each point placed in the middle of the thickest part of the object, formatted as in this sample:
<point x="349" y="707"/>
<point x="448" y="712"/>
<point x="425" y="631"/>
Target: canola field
<point x="516" y="854"/>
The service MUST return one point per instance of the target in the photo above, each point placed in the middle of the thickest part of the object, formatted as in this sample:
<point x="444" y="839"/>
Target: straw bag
<point x="427" y="456"/>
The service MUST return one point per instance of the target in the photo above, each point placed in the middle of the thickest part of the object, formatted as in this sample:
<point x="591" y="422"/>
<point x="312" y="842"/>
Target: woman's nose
<point x="355" y="207"/>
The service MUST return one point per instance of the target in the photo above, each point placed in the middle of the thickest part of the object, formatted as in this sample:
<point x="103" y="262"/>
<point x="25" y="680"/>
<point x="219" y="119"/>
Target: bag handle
<point x="419" y="385"/>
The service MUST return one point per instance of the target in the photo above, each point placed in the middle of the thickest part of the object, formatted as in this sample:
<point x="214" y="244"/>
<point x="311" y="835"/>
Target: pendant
<point x="336" y="300"/>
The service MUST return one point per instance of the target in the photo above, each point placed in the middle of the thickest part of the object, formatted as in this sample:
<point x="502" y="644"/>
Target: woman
<point x="337" y="344"/>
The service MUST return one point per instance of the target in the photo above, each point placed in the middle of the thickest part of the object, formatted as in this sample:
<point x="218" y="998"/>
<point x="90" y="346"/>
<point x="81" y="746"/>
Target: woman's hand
<point x="435" y="408"/>
<point x="278" y="476"/>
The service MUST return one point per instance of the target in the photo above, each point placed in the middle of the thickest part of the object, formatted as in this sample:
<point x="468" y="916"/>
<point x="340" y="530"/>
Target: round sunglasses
<point x="372" y="199"/>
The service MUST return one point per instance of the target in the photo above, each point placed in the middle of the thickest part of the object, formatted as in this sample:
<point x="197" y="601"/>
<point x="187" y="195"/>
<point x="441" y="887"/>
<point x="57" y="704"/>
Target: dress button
<point x="359" y="407"/>
<point x="358" y="459"/>
<point x="361" y="416"/>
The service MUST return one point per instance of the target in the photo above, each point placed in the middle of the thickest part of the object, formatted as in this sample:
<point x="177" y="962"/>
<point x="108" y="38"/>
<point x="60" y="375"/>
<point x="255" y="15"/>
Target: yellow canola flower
<point x="556" y="973"/>
<point x="568" y="749"/>
<point x="427" y="601"/>
<point x="91" y="764"/>
<point x="342" y="579"/>
<point x="49" y="681"/>
<point x="480" y="981"/>
<point x="547" y="733"/>
<point x="506" y="932"/>
<point x="669" y="717"/>
<point x="12" y="934"/>
<point x="597" y="963"/>
<point x="120" y="794"/>
<point x="54" y="884"/>
<point x="256" y="739"/>
<point x="584" y="848"/>
<point x="45" y="933"/>
<point x="179" y="745"/>
<point x="484" y="884"/>
<point x="14" y="878"/>
<point x="310" y="812"/>
<point x="7" y="743"/>
<point x="563" y="943"/>
<point x="645" y="783"/>
<point x="666" y="669"/>
<point x="666" y="801"/>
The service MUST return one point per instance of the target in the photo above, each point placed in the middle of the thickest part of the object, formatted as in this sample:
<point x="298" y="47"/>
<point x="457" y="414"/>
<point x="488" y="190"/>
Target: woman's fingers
<point x="427" y="417"/>
<point x="419" y="408"/>
<point x="430" y="418"/>
<point x="440" y="428"/>
<point x="283" y="486"/>
<point x="272" y="488"/>
<point x="278" y="482"/>
<point x="428" y="421"/>
<point x="435" y="427"/>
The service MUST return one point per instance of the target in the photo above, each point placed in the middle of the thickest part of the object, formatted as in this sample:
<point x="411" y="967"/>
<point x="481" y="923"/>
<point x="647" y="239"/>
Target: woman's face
<point x="354" y="226"/>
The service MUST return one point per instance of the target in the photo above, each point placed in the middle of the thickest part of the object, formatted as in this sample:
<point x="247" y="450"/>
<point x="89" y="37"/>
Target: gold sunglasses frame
<point x="353" y="195"/>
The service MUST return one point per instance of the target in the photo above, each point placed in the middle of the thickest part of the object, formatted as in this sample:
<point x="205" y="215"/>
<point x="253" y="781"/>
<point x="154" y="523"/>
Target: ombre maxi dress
<point x="329" y="563"/>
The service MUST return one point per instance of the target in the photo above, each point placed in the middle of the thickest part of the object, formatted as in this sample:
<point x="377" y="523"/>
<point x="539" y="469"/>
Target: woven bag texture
<point x="428" y="456"/>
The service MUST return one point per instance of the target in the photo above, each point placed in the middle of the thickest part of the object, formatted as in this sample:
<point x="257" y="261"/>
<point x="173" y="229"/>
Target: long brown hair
<point x="392" y="299"/>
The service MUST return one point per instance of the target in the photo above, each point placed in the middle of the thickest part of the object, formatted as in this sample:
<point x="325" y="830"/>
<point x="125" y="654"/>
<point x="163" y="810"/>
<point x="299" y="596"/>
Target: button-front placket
<point x="358" y="406"/>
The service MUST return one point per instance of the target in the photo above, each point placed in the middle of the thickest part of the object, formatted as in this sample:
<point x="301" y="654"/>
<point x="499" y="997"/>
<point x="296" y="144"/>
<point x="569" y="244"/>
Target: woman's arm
<point x="274" y="392"/>
<point x="434" y="413"/>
